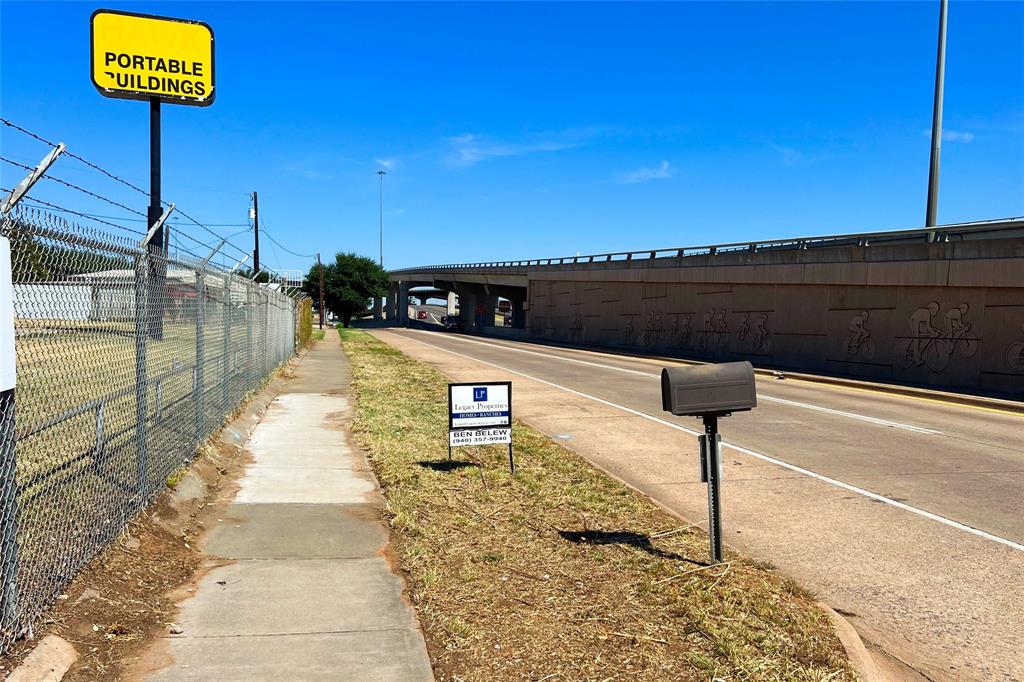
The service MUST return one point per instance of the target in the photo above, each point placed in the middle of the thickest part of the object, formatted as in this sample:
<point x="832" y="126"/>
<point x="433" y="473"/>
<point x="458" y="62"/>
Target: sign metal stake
<point x="711" y="473"/>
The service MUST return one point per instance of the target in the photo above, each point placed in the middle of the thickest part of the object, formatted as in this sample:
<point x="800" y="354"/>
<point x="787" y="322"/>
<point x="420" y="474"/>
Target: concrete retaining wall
<point x="943" y="315"/>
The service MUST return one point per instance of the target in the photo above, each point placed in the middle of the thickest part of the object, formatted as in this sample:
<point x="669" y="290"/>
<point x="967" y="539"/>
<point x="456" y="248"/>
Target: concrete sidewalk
<point x="298" y="586"/>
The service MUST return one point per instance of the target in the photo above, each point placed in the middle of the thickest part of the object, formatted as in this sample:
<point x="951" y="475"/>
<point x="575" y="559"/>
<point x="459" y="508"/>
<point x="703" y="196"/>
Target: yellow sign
<point x="138" y="56"/>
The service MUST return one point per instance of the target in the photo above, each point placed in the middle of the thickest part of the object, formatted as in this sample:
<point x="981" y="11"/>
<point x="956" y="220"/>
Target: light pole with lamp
<point x="382" y="173"/>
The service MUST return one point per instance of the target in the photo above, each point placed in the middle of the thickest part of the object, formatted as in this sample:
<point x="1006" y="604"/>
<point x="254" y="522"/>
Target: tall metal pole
<point x="381" y="173"/>
<point x="932" y="213"/>
<point x="321" y="268"/>
<point x="256" y="232"/>
<point x="158" y="243"/>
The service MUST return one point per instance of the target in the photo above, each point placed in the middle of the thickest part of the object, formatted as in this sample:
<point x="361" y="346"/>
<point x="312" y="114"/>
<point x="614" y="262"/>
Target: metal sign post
<point x="480" y="414"/>
<point x="711" y="473"/>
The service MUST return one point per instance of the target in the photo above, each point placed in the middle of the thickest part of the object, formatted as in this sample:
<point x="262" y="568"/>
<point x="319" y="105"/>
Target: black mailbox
<point x="708" y="389"/>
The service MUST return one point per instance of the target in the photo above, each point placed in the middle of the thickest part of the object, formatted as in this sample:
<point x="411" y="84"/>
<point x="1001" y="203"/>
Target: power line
<point x="283" y="248"/>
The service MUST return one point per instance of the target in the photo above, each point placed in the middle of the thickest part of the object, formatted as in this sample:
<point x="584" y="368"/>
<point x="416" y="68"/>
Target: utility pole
<point x="320" y="267"/>
<point x="381" y="173"/>
<point x="256" y="232"/>
<point x="932" y="213"/>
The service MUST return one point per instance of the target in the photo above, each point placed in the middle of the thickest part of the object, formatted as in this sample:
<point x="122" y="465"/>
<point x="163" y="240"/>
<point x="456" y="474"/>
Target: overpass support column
<point x="518" y="311"/>
<point x="393" y="303"/>
<point x="403" y="303"/>
<point x="489" y="300"/>
<point x="378" y="308"/>
<point x="469" y="298"/>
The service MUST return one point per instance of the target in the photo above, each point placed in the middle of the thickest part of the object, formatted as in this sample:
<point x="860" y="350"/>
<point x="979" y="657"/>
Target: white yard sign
<point x="480" y="437"/>
<point x="480" y="414"/>
<point x="479" y="405"/>
<point x="6" y="317"/>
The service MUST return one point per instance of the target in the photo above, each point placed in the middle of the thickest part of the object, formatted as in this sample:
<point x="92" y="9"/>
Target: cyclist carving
<point x="681" y="330"/>
<point x="1015" y="352"/>
<point x="859" y="341"/>
<point x="759" y="336"/>
<point x="652" y="330"/>
<point x="715" y="330"/>
<point x="926" y="345"/>
<point x="744" y="330"/>
<point x="629" y="332"/>
<point x="577" y="331"/>
<point x="762" y="335"/>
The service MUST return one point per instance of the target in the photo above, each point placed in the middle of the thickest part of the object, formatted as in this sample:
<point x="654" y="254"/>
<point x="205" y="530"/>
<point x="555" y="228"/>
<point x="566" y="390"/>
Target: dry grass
<point x="560" y="572"/>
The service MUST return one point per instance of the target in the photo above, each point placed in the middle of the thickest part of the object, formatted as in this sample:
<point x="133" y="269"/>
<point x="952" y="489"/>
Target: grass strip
<point x="561" y="572"/>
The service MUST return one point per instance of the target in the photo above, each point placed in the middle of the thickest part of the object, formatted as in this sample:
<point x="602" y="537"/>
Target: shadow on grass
<point x="623" y="537"/>
<point x="446" y="465"/>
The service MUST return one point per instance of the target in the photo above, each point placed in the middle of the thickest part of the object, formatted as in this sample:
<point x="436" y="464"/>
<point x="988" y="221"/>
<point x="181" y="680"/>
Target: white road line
<point x="793" y="403"/>
<point x="786" y="465"/>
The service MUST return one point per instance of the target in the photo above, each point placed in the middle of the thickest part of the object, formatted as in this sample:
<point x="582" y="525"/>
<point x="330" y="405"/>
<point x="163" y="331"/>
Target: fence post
<point x="8" y="482"/>
<point x="226" y="350"/>
<point x="248" y="335"/>
<point x="199" y="391"/>
<point x="141" y="383"/>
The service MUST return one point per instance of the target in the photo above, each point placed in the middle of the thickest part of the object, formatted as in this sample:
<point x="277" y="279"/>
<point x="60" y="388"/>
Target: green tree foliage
<point x="349" y="284"/>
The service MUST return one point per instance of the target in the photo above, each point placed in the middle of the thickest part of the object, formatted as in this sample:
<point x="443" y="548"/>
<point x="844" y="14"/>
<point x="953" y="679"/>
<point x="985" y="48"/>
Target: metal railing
<point x="126" y="361"/>
<point x="944" y="233"/>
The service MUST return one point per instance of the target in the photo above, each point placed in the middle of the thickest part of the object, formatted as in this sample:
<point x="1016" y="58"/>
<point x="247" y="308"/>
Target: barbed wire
<point x="75" y="187"/>
<point x="68" y="152"/>
<point x="104" y="219"/>
<point x="39" y="203"/>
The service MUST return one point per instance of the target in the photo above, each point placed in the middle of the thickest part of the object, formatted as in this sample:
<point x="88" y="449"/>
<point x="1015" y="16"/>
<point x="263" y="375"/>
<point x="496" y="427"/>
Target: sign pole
<point x="320" y="266"/>
<point x="711" y="451"/>
<point x="158" y="243"/>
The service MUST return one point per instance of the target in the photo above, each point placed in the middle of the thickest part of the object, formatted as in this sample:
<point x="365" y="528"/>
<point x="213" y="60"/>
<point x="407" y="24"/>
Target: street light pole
<point x="931" y="215"/>
<point x="381" y="173"/>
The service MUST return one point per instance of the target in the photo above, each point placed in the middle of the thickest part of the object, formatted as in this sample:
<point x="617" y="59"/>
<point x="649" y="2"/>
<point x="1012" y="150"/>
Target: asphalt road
<point x="944" y="483"/>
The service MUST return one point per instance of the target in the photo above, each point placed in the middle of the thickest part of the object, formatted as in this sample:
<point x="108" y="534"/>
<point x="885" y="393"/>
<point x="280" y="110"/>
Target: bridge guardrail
<point x="944" y="233"/>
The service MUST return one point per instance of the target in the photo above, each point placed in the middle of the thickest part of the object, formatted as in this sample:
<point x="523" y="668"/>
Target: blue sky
<point x="530" y="130"/>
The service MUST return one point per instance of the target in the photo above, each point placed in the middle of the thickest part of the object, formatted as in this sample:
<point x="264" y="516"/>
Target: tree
<point x="349" y="284"/>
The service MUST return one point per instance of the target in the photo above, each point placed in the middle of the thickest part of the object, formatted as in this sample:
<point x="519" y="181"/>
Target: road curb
<point x="859" y="656"/>
<point x="49" y="661"/>
<point x="897" y="389"/>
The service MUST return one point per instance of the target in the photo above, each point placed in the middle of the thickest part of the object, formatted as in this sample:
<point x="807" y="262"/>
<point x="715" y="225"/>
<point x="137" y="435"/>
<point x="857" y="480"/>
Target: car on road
<point x="453" y="323"/>
<point x="421" y="314"/>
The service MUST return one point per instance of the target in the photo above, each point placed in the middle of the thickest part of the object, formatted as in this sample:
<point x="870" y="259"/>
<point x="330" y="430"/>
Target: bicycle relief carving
<point x="577" y="331"/>
<point x="629" y="332"/>
<point x="756" y="335"/>
<point x="859" y="342"/>
<point x="1015" y="352"/>
<point x="652" y="331"/>
<point x="715" y="330"/>
<point x="680" y="331"/>
<point x="927" y="347"/>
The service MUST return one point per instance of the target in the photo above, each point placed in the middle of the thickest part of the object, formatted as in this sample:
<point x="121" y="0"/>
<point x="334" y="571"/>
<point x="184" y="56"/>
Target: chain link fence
<point x="126" y="360"/>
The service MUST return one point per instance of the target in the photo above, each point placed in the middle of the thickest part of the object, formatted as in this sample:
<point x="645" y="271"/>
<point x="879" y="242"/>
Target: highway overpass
<point x="941" y="307"/>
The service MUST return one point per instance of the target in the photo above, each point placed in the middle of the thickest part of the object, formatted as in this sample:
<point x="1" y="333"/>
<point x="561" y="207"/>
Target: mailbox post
<point x="710" y="392"/>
